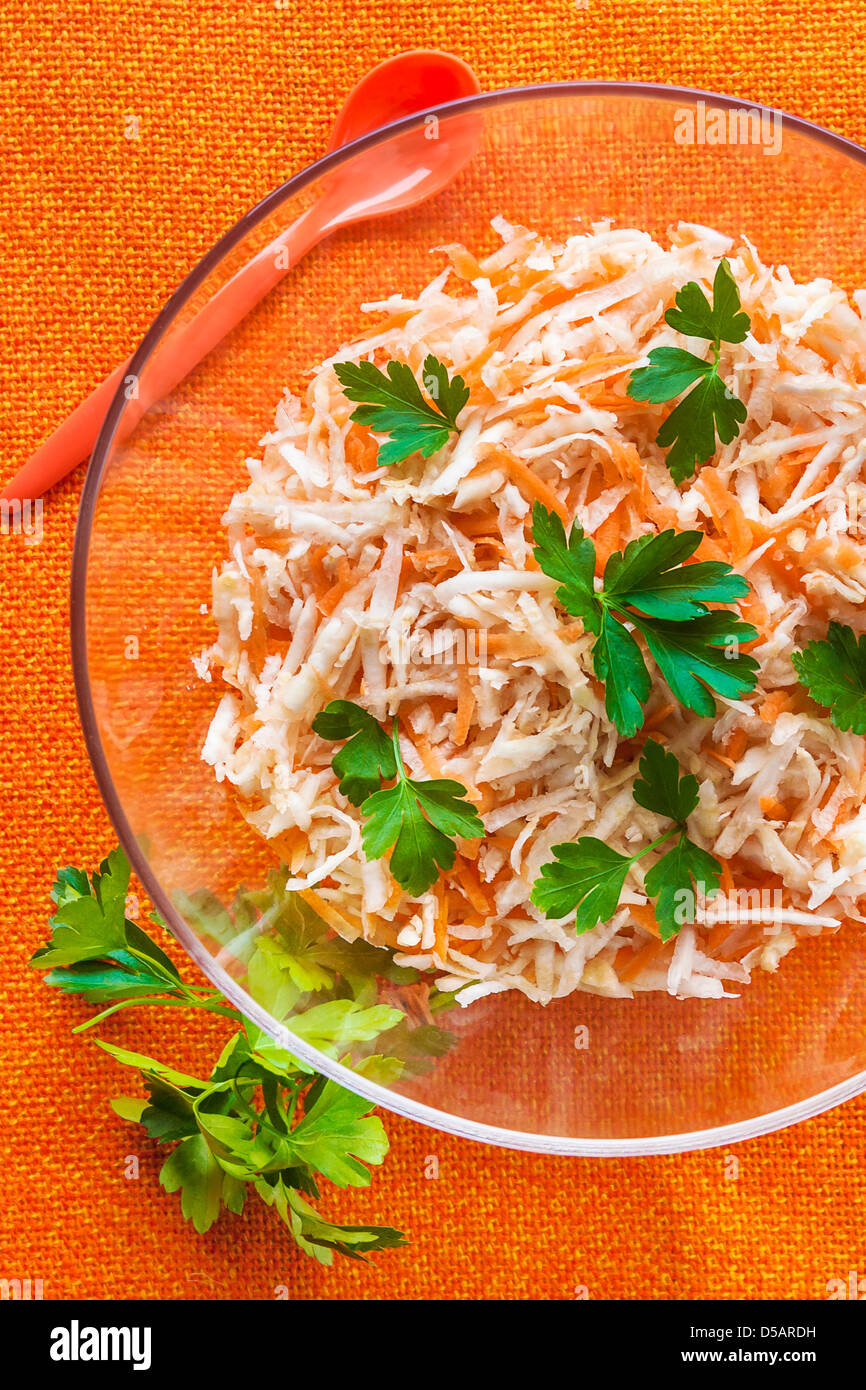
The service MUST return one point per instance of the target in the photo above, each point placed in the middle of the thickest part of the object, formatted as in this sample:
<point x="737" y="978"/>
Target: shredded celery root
<point x="341" y="574"/>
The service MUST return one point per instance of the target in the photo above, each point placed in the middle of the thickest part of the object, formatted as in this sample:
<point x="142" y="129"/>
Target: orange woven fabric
<point x="230" y="96"/>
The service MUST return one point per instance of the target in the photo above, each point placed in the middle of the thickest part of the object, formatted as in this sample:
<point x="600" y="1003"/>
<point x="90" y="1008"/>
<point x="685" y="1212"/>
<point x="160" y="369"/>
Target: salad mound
<point x="540" y="629"/>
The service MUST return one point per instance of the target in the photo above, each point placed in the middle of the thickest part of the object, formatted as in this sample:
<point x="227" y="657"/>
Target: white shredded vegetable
<point x="413" y="590"/>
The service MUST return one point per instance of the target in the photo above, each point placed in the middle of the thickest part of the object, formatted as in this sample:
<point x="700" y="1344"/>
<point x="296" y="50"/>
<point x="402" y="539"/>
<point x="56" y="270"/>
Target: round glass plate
<point x="585" y="1074"/>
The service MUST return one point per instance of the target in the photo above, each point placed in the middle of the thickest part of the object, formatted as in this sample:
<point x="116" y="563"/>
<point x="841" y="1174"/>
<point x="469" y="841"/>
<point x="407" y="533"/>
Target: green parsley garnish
<point x="710" y="408"/>
<point x="368" y="756"/>
<point x="665" y="600"/>
<point x="834" y="673"/>
<point x="588" y="877"/>
<point x="393" y="404"/>
<point x="261" y="1123"/>
<point x="419" y="818"/>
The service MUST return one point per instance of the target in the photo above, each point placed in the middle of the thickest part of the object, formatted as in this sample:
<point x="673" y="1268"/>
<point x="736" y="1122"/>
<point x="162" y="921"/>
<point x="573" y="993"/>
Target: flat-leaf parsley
<point x="710" y="408"/>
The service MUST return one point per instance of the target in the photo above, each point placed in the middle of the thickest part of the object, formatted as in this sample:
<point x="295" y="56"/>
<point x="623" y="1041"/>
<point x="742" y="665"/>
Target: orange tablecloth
<point x="230" y="96"/>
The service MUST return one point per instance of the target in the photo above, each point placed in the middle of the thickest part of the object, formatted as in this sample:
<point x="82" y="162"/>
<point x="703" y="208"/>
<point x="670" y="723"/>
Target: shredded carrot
<point x="644" y="915"/>
<point x="742" y="942"/>
<point x="718" y="936"/>
<point x="340" y="921"/>
<point x="512" y="644"/>
<point x="608" y="538"/>
<point x="328" y="602"/>
<point x="774" y="704"/>
<point x="425" y="753"/>
<point x="473" y="947"/>
<point x="288" y="840"/>
<point x="719" y="757"/>
<point x="467" y="877"/>
<point x="776" y="487"/>
<point x="469" y="848"/>
<point x="736" y="744"/>
<point x="728" y="515"/>
<point x="394" y="896"/>
<point x="314" y="563"/>
<point x="462" y="260"/>
<point x="465" y="704"/>
<point x="361" y="449"/>
<point x="440" y="943"/>
<point x="640" y="959"/>
<point x="659" y="717"/>
<point x="784" y="568"/>
<point x="526" y="479"/>
<point x="477" y="524"/>
<point x="434" y="558"/>
<point x="773" y="808"/>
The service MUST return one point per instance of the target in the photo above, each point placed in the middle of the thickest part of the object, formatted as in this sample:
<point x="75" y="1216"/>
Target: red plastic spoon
<point x="417" y="165"/>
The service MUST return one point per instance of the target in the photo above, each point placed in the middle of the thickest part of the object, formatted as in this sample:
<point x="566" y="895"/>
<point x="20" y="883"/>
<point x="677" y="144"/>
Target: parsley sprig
<point x="419" y="818"/>
<point x="261" y="1122"/>
<point x="588" y="877"/>
<point x="98" y="952"/>
<point x="833" y="671"/>
<point x="711" y="407"/>
<point x="392" y="403"/>
<point x="665" y="600"/>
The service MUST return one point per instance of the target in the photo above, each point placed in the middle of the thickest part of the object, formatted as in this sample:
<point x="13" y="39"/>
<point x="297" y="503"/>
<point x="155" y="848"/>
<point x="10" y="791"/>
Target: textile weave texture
<point x="226" y="100"/>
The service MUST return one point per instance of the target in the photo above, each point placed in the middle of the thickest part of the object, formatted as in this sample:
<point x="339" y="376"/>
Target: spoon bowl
<point x="420" y="166"/>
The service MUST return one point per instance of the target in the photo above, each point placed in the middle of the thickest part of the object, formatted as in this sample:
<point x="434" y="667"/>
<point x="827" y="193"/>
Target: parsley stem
<point x="290" y="1112"/>
<point x="208" y="1005"/>
<point x="660" y="841"/>
<point x="241" y="1105"/>
<point x="395" y="739"/>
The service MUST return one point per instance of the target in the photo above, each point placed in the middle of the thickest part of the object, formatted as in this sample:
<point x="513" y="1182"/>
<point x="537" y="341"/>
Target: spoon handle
<point x="74" y="439"/>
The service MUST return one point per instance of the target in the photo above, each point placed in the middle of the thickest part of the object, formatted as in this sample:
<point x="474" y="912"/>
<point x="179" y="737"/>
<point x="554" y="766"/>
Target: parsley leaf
<point x="588" y="877"/>
<point x="702" y="653"/>
<point x="650" y="586"/>
<point x="651" y="575"/>
<point x="367" y="757"/>
<point x="418" y="818"/>
<point x="834" y="673"/>
<point x="319" y="1237"/>
<point x="723" y="322"/>
<point x="659" y="786"/>
<point x="619" y="665"/>
<point x="571" y="560"/>
<point x="224" y="1141"/>
<point x="95" y="949"/>
<point x="691" y="428"/>
<point x="192" y="1170"/>
<point x="238" y="1130"/>
<point x="669" y="881"/>
<point x="393" y="404"/>
<point x="337" y="1133"/>
<point x="335" y="1025"/>
<point x="710" y="408"/>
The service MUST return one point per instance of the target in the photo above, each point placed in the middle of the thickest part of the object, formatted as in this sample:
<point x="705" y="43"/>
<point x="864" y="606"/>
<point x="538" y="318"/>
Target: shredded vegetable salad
<point x="385" y="573"/>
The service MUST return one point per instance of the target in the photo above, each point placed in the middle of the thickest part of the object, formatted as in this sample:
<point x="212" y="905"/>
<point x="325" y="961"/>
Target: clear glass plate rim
<point x="570" y="1146"/>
